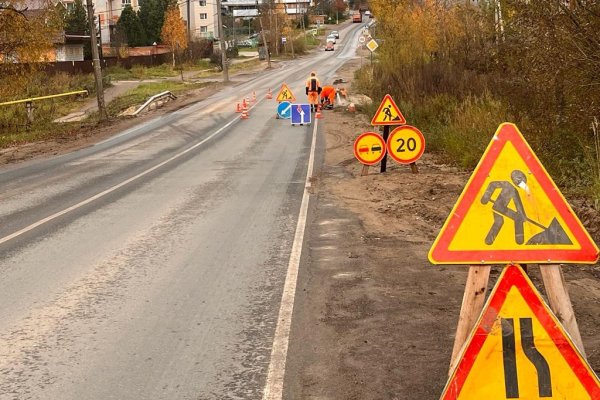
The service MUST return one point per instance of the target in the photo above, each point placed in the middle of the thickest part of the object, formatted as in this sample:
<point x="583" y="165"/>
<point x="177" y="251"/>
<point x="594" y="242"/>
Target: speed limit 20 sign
<point x="406" y="144"/>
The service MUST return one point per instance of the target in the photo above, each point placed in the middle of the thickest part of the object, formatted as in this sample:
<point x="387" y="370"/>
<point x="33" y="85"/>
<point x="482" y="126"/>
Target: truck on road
<point x="356" y="16"/>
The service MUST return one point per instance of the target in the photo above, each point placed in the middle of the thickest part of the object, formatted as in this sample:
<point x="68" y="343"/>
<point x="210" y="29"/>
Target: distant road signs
<point x="372" y="45"/>
<point x="388" y="113"/>
<point x="285" y="94"/>
<point x="362" y="40"/>
<point x="284" y="110"/>
<point x="369" y="148"/>
<point x="301" y="114"/>
<point x="511" y="211"/>
<point x="519" y="350"/>
<point x="406" y="144"/>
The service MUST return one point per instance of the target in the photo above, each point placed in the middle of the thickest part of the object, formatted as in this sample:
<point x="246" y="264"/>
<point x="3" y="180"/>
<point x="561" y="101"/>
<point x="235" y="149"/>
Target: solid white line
<point x="118" y="186"/>
<point x="275" y="375"/>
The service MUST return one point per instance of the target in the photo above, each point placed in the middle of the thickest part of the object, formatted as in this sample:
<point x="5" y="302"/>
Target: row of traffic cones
<point x="243" y="107"/>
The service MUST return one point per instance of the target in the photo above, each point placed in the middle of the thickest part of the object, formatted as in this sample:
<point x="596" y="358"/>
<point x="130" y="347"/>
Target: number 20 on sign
<point x="406" y="144"/>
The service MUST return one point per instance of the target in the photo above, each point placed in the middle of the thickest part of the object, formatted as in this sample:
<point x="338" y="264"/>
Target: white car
<point x="331" y="38"/>
<point x="335" y="33"/>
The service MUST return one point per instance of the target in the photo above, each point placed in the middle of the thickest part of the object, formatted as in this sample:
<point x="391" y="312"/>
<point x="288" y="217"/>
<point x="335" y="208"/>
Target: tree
<point x="76" y="20"/>
<point x="151" y="15"/>
<point x="173" y="31"/>
<point x="26" y="35"/>
<point x="129" y="24"/>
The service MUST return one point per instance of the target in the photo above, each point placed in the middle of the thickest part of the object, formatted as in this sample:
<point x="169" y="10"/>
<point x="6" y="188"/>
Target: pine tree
<point x="76" y="20"/>
<point x="130" y="26"/>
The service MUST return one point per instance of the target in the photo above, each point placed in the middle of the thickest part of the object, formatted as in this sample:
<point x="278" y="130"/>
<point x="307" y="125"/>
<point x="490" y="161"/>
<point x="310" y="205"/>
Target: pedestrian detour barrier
<point x="515" y="346"/>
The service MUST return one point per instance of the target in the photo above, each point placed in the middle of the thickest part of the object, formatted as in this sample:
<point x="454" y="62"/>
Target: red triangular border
<point x="402" y="120"/>
<point x="513" y="276"/>
<point x="440" y="253"/>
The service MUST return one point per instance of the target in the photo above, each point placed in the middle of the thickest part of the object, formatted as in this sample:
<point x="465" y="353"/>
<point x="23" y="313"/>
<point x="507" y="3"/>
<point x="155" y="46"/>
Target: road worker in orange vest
<point x="313" y="89"/>
<point x="328" y="97"/>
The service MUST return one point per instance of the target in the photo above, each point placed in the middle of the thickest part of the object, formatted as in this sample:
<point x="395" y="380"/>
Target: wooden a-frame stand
<point x="474" y="300"/>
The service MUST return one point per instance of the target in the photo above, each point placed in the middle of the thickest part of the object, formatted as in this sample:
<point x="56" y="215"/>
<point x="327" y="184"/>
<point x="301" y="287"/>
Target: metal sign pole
<point x="386" y="134"/>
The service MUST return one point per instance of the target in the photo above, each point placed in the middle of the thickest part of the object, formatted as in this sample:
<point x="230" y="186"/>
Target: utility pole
<point x="223" y="48"/>
<point x="189" y="28"/>
<point x="264" y="38"/>
<point x="97" y="69"/>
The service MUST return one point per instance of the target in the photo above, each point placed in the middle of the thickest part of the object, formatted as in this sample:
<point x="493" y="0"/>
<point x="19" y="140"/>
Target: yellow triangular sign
<point x="511" y="211"/>
<point x="285" y="94"/>
<point x="388" y="113"/>
<point x="518" y="350"/>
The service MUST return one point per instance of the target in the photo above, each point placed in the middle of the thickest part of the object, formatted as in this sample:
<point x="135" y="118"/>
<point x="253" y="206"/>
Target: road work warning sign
<point x="519" y="350"/>
<point x="511" y="211"/>
<point x="388" y="113"/>
<point x="285" y="94"/>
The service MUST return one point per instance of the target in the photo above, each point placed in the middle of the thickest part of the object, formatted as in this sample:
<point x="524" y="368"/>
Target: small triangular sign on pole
<point x="511" y="211"/>
<point x="285" y="94"/>
<point x="519" y="350"/>
<point x="388" y="113"/>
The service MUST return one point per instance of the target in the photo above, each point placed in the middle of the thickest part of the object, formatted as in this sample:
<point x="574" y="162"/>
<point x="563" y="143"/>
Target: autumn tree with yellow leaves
<point x="174" y="33"/>
<point x="26" y="38"/>
<point x="459" y="68"/>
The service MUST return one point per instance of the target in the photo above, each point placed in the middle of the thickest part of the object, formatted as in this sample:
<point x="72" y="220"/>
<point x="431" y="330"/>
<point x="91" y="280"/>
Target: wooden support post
<point x="413" y="167"/>
<point x="365" y="170"/>
<point x="472" y="304"/>
<point x="29" y="109"/>
<point x="560" y="302"/>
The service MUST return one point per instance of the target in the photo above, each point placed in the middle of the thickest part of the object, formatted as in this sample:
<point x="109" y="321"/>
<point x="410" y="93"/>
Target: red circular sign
<point x="369" y="148"/>
<point x="406" y="144"/>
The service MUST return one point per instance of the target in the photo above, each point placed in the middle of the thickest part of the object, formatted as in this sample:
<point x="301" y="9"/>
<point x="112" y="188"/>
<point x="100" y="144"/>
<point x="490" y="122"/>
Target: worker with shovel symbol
<point x="552" y="234"/>
<point x="508" y="193"/>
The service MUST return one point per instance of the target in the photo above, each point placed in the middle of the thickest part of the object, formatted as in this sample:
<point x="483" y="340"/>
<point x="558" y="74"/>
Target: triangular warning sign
<point x="285" y="94"/>
<point x="388" y="113"/>
<point x="519" y="350"/>
<point x="511" y="211"/>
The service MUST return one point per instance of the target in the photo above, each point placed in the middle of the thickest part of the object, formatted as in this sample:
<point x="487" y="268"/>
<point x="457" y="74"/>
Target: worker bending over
<point x="313" y="89"/>
<point x="328" y="97"/>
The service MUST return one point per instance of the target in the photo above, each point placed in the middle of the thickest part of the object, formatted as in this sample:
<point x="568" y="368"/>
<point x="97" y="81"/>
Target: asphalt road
<point x="151" y="266"/>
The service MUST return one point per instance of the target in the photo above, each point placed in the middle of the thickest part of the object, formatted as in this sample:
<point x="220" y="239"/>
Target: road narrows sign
<point x="285" y="94"/>
<point x="369" y="148"/>
<point x="406" y="144"/>
<point x="388" y="113"/>
<point x="301" y="114"/>
<point x="511" y="211"/>
<point x="519" y="350"/>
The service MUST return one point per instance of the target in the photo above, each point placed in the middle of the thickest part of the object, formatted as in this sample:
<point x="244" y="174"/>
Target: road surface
<point x="152" y="265"/>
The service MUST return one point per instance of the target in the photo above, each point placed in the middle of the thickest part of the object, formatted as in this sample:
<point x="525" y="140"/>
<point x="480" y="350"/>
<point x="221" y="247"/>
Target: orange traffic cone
<point x="269" y="94"/>
<point x="318" y="114"/>
<point x="238" y="108"/>
<point x="244" y="114"/>
<point x="244" y="104"/>
<point x="253" y="97"/>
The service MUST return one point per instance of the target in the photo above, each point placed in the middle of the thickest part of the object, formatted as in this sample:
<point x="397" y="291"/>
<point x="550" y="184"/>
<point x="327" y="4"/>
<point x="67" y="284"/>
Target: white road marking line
<point x="275" y="375"/>
<point x="118" y="186"/>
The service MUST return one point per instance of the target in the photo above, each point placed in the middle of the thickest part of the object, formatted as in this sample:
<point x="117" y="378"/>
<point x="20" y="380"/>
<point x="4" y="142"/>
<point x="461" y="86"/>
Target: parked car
<point x="329" y="46"/>
<point x="331" y="38"/>
<point x="335" y="33"/>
